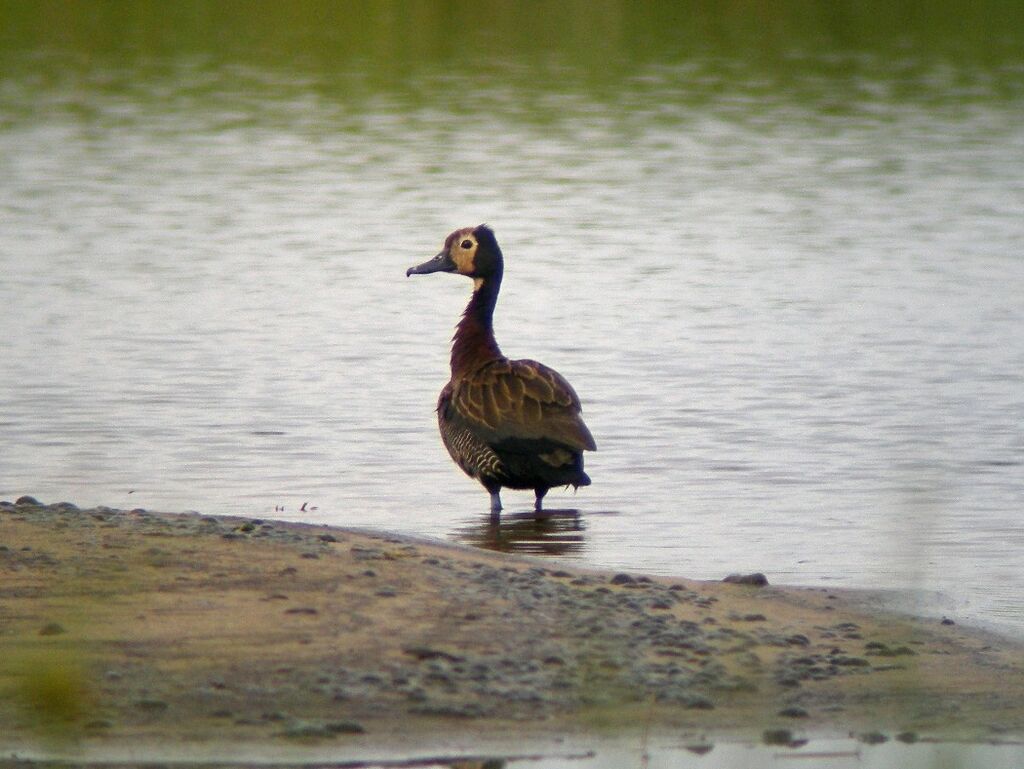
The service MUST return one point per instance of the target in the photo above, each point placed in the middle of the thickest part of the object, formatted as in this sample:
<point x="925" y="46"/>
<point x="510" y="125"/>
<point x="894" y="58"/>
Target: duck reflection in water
<point x="550" y="532"/>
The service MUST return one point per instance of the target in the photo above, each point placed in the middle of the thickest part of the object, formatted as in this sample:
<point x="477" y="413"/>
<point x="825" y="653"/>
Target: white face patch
<point x="463" y="251"/>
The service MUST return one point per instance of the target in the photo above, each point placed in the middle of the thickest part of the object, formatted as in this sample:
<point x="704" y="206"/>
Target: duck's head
<point x="471" y="251"/>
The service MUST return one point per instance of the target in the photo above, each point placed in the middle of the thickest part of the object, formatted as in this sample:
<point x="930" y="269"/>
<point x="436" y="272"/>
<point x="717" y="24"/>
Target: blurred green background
<point x="822" y="54"/>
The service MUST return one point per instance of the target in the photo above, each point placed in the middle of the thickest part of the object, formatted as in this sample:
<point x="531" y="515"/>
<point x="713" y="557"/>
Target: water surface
<point x="779" y="257"/>
<point x="646" y="752"/>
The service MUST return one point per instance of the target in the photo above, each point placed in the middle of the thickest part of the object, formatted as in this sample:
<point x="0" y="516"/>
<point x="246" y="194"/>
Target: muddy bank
<point x="123" y="626"/>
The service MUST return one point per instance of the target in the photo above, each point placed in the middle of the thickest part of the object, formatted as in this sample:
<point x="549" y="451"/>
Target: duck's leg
<point x="538" y="503"/>
<point x="495" y="492"/>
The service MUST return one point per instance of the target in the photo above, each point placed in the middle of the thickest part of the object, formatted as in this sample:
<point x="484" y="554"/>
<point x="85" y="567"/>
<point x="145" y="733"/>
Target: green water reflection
<point x="827" y="56"/>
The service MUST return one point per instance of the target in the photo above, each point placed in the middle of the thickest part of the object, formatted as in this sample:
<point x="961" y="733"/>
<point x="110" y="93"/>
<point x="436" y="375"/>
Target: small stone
<point x="344" y="727"/>
<point x="753" y="618"/>
<point x="27" y="500"/>
<point x="308" y="610"/>
<point x="52" y="628"/>
<point x="777" y="737"/>
<point x="698" y="702"/>
<point x="366" y="553"/>
<point x="426" y="653"/>
<point x="793" y="711"/>
<point x="303" y="730"/>
<point x="687" y="699"/>
<point x="899" y="651"/>
<point x="622" y="579"/>
<point x="327" y="538"/>
<point x="308" y="730"/>
<point x="947" y="621"/>
<point x="151" y="706"/>
<point x="872" y="738"/>
<point x="908" y="738"/>
<point x="757" y="579"/>
<point x="851" y="662"/>
<point x="449" y="710"/>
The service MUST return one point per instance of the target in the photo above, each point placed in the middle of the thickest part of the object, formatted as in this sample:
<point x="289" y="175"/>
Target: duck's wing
<point x="507" y="402"/>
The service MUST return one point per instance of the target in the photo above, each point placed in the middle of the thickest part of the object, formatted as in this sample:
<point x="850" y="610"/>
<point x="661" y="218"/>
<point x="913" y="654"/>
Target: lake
<point x="777" y="251"/>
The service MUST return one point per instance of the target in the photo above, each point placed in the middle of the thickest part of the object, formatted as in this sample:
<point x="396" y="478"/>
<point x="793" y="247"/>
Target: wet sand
<point x="120" y="628"/>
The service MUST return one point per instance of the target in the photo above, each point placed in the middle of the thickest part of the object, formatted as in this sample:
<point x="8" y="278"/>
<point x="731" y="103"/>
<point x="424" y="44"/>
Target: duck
<point x="506" y="423"/>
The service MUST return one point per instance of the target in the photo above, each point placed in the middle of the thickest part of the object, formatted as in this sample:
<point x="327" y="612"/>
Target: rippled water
<point x="796" y="327"/>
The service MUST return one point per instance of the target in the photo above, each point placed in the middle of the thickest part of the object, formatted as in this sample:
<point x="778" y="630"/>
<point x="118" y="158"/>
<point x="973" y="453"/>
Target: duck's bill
<point x="440" y="263"/>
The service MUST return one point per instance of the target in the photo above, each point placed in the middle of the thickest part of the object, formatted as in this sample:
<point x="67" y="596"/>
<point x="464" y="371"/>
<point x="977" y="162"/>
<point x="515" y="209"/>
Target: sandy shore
<point x="118" y="626"/>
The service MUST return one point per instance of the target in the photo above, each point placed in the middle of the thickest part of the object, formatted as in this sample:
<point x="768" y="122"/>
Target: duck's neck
<point x="473" y="343"/>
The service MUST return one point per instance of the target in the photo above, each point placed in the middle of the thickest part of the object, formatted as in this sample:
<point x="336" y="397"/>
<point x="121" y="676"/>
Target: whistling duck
<point x="512" y="423"/>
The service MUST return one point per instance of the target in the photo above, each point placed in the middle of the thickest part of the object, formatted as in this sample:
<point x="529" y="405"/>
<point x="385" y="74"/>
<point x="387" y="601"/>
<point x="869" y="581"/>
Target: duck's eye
<point x="466" y="244"/>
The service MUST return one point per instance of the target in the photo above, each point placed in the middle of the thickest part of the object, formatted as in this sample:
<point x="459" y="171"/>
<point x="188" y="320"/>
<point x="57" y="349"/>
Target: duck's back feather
<point x="517" y="423"/>
<point x="509" y="400"/>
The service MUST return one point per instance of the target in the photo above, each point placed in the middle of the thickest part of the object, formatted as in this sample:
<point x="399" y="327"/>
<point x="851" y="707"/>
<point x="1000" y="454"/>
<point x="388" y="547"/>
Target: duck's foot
<point x="495" y="505"/>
